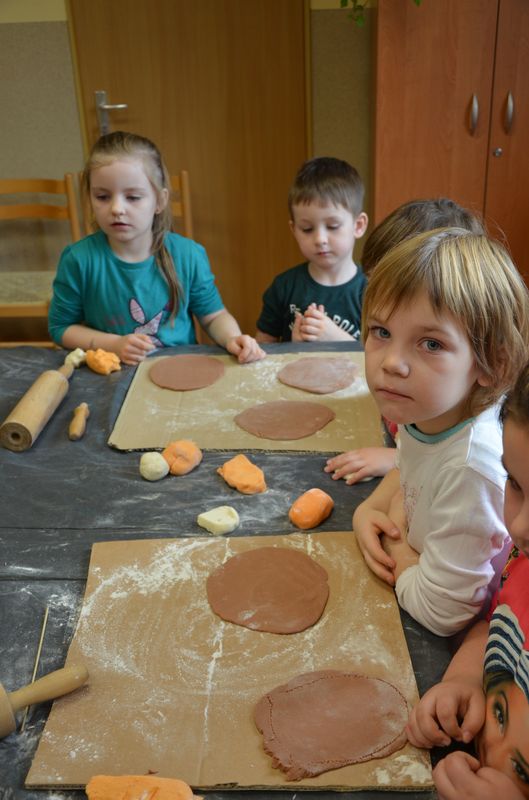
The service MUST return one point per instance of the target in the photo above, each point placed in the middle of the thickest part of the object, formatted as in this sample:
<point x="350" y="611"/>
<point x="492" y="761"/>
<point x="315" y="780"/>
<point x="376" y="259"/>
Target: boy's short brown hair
<point x="327" y="180"/>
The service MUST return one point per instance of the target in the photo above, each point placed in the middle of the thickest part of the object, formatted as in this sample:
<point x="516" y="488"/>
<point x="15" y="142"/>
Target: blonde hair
<point x="409" y="219"/>
<point x="472" y="277"/>
<point x="121" y="144"/>
<point x="327" y="180"/>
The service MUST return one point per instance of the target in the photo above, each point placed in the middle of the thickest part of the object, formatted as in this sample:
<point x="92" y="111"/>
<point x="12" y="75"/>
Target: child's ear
<point x="163" y="199"/>
<point x="291" y="225"/>
<point x="360" y="225"/>
<point x="500" y="369"/>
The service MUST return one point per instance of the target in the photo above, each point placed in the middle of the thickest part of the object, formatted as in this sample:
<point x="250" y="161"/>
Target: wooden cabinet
<point x="452" y="110"/>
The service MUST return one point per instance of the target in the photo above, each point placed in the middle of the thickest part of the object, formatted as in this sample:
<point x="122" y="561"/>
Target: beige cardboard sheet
<point x="172" y="687"/>
<point x="151" y="417"/>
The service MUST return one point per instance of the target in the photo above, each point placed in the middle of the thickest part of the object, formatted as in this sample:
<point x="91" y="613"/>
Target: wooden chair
<point x="26" y="294"/>
<point x="181" y="202"/>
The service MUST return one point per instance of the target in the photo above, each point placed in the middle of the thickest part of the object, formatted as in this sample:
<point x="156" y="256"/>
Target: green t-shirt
<point x="294" y="290"/>
<point x="96" y="288"/>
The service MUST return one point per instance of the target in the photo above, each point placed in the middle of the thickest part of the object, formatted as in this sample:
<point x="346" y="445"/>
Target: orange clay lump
<point x="102" y="361"/>
<point x="244" y="476"/>
<point x="310" y="509"/>
<point x="182" y="456"/>
<point x="137" y="787"/>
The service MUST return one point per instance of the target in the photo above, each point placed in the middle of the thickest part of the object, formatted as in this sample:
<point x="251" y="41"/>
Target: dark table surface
<point x="59" y="497"/>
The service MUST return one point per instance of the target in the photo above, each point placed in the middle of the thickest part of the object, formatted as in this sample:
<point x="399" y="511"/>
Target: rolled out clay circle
<point x="351" y="718"/>
<point x="272" y="589"/>
<point x="284" y="419"/>
<point x="319" y="375"/>
<point x="184" y="373"/>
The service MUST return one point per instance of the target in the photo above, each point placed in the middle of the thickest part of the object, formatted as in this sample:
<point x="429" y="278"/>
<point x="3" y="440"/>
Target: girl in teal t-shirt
<point x="133" y="285"/>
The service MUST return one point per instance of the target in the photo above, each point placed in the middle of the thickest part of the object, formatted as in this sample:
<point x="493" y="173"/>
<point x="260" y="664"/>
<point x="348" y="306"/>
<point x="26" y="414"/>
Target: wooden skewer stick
<point x="78" y="423"/>
<point x="36" y="665"/>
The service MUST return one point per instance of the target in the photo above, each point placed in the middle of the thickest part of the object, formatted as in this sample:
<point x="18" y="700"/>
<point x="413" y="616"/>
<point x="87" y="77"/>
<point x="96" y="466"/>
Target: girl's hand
<point x="452" y="709"/>
<point x="369" y="524"/>
<point x="459" y="775"/>
<point x="134" y="347"/>
<point x="356" y="465"/>
<point x="245" y="348"/>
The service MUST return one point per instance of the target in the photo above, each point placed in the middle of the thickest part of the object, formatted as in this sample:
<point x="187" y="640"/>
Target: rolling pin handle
<point x="66" y="369"/>
<point x="53" y="685"/>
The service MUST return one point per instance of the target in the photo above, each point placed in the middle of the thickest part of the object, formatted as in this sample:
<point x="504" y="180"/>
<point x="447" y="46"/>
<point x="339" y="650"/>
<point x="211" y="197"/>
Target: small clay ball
<point x="153" y="466"/>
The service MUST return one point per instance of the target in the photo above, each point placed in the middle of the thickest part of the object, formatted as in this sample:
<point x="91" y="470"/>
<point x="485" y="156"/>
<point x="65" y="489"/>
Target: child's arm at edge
<point x="223" y="328"/>
<point x="460" y="775"/>
<point x="131" y="348"/>
<point x="371" y="520"/>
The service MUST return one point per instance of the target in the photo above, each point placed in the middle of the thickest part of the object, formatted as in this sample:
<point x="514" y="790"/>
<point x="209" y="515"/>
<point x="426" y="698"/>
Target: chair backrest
<point x="18" y="206"/>
<point x="180" y="204"/>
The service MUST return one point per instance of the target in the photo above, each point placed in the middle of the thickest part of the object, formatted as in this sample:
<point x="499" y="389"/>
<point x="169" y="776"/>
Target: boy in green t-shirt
<point x="320" y="299"/>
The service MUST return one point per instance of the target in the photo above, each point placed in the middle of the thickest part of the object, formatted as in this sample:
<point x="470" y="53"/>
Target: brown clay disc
<point x="319" y="375"/>
<point x="351" y="718"/>
<point x="284" y="419"/>
<point x="272" y="589"/>
<point x="183" y="373"/>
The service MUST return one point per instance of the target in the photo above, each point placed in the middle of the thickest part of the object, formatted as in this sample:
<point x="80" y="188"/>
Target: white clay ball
<point x="153" y="466"/>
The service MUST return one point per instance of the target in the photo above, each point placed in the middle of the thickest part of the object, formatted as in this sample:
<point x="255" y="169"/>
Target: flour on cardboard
<point x="232" y="672"/>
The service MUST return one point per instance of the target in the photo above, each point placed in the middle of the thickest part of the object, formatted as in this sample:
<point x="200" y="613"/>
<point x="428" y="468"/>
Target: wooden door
<point x="219" y="85"/>
<point x="506" y="202"/>
<point x="432" y="60"/>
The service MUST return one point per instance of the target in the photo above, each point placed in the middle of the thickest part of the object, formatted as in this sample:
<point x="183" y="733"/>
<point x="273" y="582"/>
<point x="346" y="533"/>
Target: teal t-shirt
<point x="295" y="289"/>
<point x="94" y="287"/>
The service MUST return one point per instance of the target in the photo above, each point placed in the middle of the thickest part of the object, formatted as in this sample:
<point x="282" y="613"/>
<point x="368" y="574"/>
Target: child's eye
<point x="379" y="332"/>
<point x="333" y="227"/>
<point x="432" y="346"/>
<point x="101" y="197"/>
<point x="306" y="230"/>
<point x="497" y="710"/>
<point x="133" y="197"/>
<point x="519" y="771"/>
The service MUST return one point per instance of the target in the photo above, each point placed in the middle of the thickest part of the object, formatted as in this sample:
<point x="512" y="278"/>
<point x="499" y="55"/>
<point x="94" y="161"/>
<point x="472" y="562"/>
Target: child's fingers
<point x="362" y="474"/>
<point x="427" y="735"/>
<point x="382" y="572"/>
<point x="474" y="717"/>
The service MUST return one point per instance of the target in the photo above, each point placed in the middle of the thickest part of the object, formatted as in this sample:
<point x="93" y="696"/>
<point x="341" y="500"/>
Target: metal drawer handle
<point x="509" y="113"/>
<point x="474" y="114"/>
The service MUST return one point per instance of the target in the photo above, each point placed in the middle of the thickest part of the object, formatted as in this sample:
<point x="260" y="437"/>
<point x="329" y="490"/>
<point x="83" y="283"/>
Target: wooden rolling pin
<point x="53" y="685"/>
<point x="21" y="428"/>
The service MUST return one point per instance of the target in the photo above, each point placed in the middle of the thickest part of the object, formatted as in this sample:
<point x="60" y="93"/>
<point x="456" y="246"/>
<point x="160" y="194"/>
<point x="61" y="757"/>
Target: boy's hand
<point x="356" y="465"/>
<point x="134" y="347"/>
<point x="460" y="775"/>
<point x="369" y="524"/>
<point x="245" y="348"/>
<point x="296" y="330"/>
<point x="316" y="326"/>
<point x="452" y="709"/>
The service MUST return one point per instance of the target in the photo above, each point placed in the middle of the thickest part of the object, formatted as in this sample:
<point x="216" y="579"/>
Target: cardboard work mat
<point x="151" y="417"/>
<point x="172" y="687"/>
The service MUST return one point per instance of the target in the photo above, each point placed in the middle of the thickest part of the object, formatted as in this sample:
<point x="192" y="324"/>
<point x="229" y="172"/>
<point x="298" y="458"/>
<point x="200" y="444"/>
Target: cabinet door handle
<point x="474" y="114"/>
<point x="509" y="113"/>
